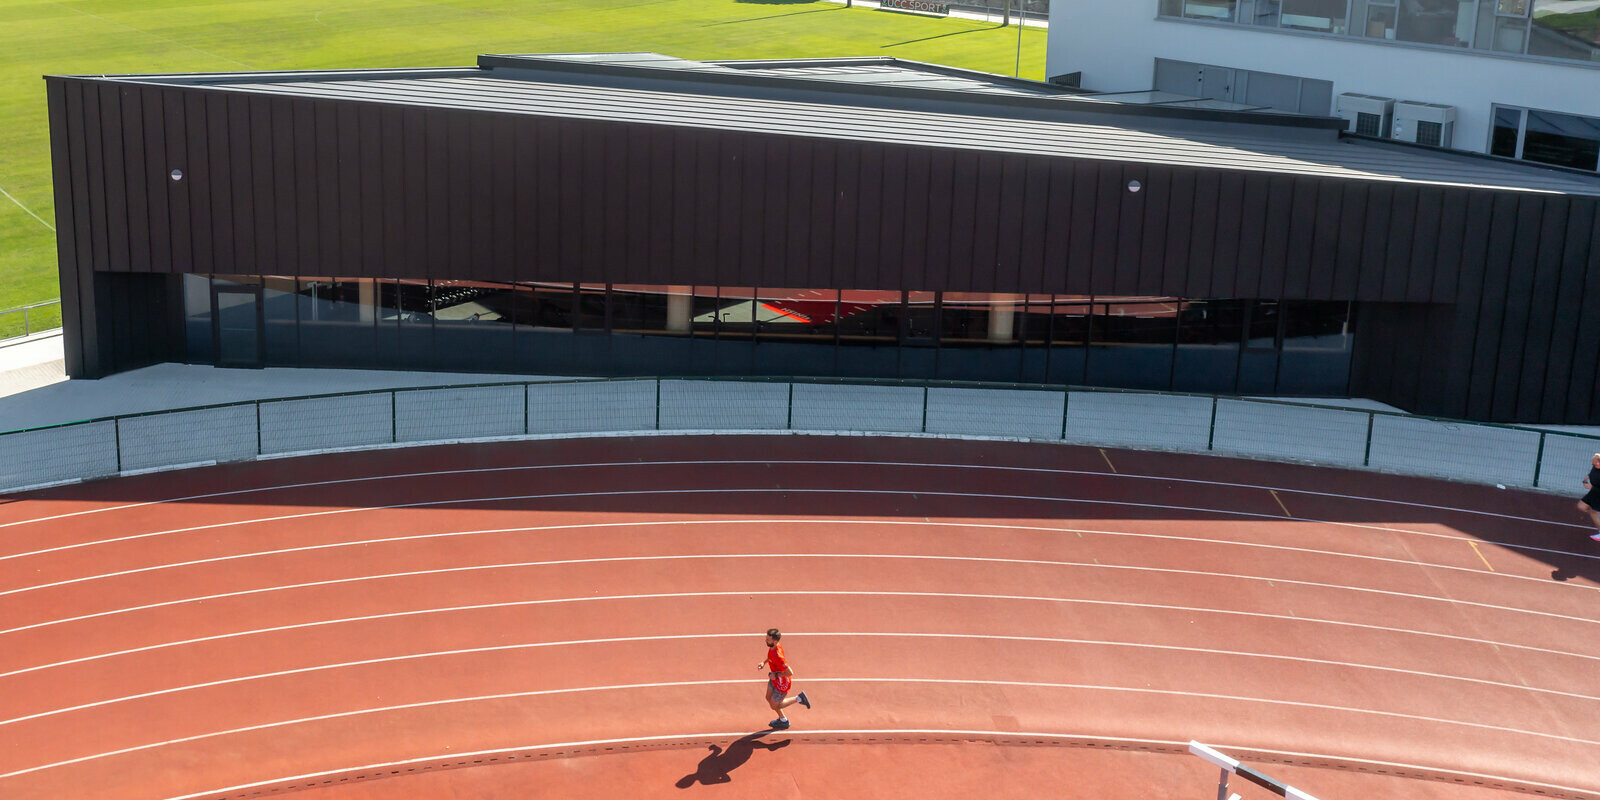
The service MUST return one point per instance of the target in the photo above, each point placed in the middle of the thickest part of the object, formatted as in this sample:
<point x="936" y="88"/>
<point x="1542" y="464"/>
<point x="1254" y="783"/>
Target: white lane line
<point x="915" y="493"/>
<point x="651" y="523"/>
<point x="762" y="521"/>
<point x="780" y="462"/>
<point x="747" y="681"/>
<point x="25" y="208"/>
<point x="793" y="593"/>
<point x="887" y="634"/>
<point x="455" y="758"/>
<point x="916" y="557"/>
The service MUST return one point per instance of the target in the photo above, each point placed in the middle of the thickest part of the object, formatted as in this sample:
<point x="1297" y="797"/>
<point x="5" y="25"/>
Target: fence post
<point x="394" y="417"/>
<point x="1211" y="435"/>
<point x="116" y="428"/>
<point x="924" y="409"/>
<point x="258" y="427"/>
<point x="527" y="424"/>
<point x="658" y="404"/>
<point x="1538" y="461"/>
<point x="788" y="420"/>
<point x="1066" y="398"/>
<point x="26" y="328"/>
<point x="1366" y="458"/>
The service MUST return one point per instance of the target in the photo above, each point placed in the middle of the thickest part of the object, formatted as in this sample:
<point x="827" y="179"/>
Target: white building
<point x="1517" y="78"/>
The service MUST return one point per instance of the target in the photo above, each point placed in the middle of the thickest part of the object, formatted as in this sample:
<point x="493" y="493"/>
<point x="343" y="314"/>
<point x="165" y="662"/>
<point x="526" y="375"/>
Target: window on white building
<point x="1546" y="137"/>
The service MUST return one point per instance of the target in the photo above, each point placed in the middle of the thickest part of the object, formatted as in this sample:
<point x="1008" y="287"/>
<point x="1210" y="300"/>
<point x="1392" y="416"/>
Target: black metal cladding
<point x="1483" y="303"/>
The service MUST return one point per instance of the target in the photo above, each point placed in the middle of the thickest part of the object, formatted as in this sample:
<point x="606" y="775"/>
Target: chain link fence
<point x="1264" y="429"/>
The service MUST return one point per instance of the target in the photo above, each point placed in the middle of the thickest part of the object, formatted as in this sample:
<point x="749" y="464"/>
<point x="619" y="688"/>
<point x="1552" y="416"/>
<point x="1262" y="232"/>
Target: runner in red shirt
<point x="779" y="675"/>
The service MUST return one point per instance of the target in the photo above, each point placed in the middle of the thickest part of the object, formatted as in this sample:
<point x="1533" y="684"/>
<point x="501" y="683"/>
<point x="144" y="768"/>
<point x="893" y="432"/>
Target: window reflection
<point x="868" y="317"/>
<point x="1564" y="29"/>
<point x="1327" y="16"/>
<point x="1434" y="22"/>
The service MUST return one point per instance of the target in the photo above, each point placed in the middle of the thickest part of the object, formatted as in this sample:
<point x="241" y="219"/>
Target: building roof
<point x="884" y="100"/>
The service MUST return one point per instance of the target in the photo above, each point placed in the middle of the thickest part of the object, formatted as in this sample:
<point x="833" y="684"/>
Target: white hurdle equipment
<point x="1232" y="766"/>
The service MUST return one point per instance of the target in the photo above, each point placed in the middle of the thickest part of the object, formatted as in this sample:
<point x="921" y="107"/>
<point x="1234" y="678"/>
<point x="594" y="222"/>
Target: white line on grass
<point x="25" y="208"/>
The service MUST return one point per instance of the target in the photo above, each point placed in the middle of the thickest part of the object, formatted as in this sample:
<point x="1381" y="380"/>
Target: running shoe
<point x="805" y="701"/>
<point x="780" y="724"/>
<point x="1595" y="536"/>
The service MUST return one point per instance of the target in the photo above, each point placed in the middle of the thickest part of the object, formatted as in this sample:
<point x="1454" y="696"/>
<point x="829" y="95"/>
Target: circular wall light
<point x="1134" y="186"/>
<point x="177" y="174"/>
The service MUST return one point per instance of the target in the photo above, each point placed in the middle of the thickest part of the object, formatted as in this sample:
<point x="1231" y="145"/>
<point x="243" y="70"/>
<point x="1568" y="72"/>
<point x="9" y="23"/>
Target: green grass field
<point x="120" y="36"/>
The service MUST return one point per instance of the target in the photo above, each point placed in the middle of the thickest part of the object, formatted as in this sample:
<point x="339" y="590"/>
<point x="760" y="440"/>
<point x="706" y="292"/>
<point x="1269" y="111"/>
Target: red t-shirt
<point x="776" y="664"/>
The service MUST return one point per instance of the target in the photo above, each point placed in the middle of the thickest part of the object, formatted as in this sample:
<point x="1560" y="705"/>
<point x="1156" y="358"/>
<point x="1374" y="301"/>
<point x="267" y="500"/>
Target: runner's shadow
<point x="714" y="768"/>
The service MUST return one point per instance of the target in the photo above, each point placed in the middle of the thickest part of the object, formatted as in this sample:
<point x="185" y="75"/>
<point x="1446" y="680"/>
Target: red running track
<point x="583" y="618"/>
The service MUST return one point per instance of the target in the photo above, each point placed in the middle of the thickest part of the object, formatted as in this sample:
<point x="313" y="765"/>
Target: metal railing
<point x="30" y="319"/>
<point x="1281" y="430"/>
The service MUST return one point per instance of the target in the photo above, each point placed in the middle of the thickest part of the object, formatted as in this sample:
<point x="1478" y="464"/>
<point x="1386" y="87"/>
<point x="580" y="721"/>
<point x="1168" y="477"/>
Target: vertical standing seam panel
<point x="774" y="205"/>
<point x="1540" y="315"/>
<point x="1448" y="261"/>
<point x="1058" y="228"/>
<point x="1178" y="277"/>
<point x="220" y="163"/>
<point x="1130" y="242"/>
<point x="751" y="214"/>
<point x="1034" y="225"/>
<point x="93" y="318"/>
<point x="1003" y="239"/>
<point x="1469" y="294"/>
<point x="1203" y="280"/>
<point x="1375" y="232"/>
<point x="869" y="204"/>
<point x="437" y="206"/>
<point x="588" y="154"/>
<point x="353" y="203"/>
<point x="134" y="171"/>
<point x="1522" y="267"/>
<point x="938" y="234"/>
<point x="1352" y="223"/>
<point x="1240" y="229"/>
<point x="114" y="177"/>
<point x="1295" y="281"/>
<point x="840" y="263"/>
<point x="1155" y="196"/>
<point x="797" y="222"/>
<point x="978" y="217"/>
<point x="1584" y="396"/>
<point x="1491" y="307"/>
<point x="371" y="137"/>
<point x="1080" y="241"/>
<point x="913" y="264"/>
<point x="330" y="200"/>
<point x="723" y="180"/>
<point x="1425" y="245"/>
<point x="609" y="150"/>
<point x="1397" y="242"/>
<point x="94" y="171"/>
<point x="525" y="172"/>
<point x="640" y="180"/>
<point x="1107" y="216"/>
<point x="395" y="171"/>
<point x="683" y="202"/>
<point x="892" y="225"/>
<point x="1568" y="313"/>
<point x="281" y="156"/>
<point x="307" y="190"/>
<point x="61" y="169"/>
<point x="243" y="177"/>
<point x="156" y="179"/>
<point x="1275" y="241"/>
<point x="175" y="107"/>
<point x="264" y="183"/>
<point x="1325" y="239"/>
<point x="549" y="265"/>
<point x="501" y="194"/>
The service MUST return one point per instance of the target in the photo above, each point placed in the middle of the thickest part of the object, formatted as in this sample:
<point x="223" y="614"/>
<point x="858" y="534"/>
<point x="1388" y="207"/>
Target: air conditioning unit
<point x="1366" y="114"/>
<point x="1424" y="123"/>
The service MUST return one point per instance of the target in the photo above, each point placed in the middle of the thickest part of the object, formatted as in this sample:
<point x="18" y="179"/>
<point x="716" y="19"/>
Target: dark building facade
<point x="651" y="216"/>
